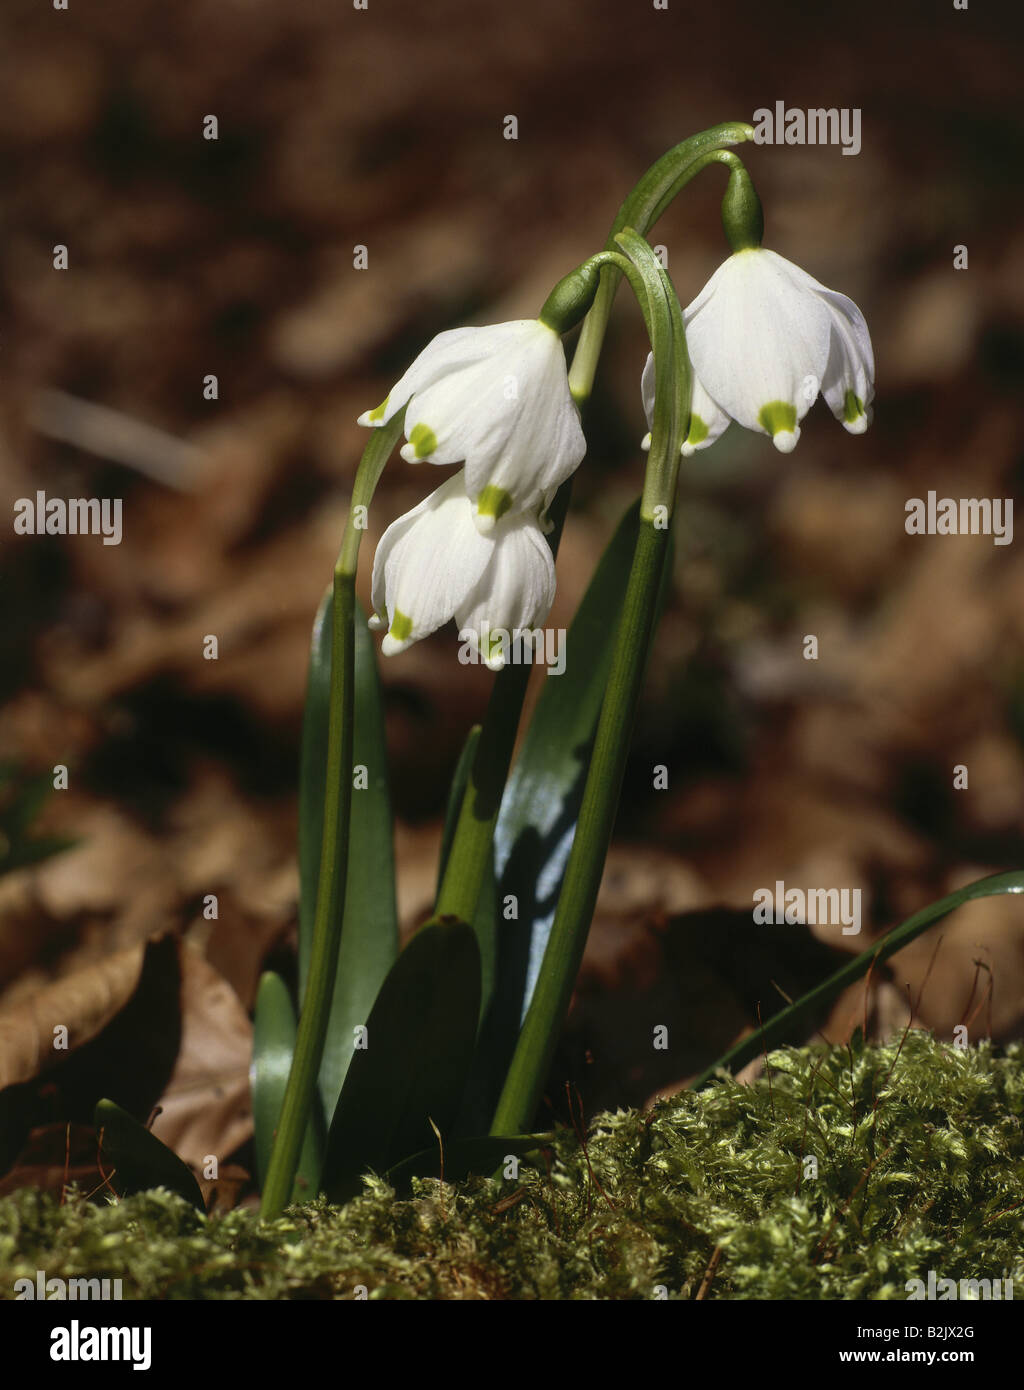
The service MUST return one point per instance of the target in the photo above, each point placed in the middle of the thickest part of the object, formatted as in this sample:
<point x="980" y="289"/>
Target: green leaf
<point x="485" y="920"/>
<point x="140" y="1160"/>
<point x="455" y="794"/>
<point x="369" y="936"/>
<point x="21" y="799"/>
<point x="796" y="1014"/>
<point x="273" y="1043"/>
<point x="480" y="1154"/>
<point x="413" y="1069"/>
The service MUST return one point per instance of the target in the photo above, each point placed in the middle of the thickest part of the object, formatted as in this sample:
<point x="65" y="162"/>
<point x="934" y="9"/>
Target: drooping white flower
<point x="765" y="337"/>
<point x="707" y="420"/>
<point x="497" y="399"/>
<point x="433" y="564"/>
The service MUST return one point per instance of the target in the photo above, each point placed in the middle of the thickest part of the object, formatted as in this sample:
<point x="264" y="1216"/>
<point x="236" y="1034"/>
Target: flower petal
<point x="848" y="384"/>
<point x="759" y="336"/>
<point x="447" y="352"/>
<point x="498" y="399"/>
<point x="708" y="421"/>
<point x="427" y="562"/>
<point x="515" y="591"/>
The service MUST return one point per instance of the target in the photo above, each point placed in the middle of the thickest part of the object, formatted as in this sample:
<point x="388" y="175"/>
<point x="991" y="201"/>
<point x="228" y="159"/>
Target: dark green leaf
<point x="455" y="794"/>
<point x="369" y="938"/>
<point x="140" y="1162"/>
<point x="420" y="1036"/>
<point x="21" y="799"/>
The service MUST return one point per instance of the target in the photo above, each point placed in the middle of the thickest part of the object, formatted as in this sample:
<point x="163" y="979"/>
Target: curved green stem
<point x="649" y="199"/>
<point x="330" y="898"/>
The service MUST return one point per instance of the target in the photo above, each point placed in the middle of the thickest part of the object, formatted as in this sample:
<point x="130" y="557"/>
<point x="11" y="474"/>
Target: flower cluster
<point x="497" y="399"/>
<point x="764" y="339"/>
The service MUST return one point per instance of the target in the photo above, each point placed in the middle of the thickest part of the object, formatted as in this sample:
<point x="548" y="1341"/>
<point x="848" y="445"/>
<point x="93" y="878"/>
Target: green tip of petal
<point x="495" y="658"/>
<point x="423" y="440"/>
<point x="854" y="416"/>
<point x="376" y="415"/>
<point x="401" y="627"/>
<point x="492" y="504"/>
<point x="698" y="432"/>
<point x="779" y="417"/>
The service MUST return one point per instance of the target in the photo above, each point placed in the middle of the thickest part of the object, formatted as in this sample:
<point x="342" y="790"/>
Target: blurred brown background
<point x="233" y="257"/>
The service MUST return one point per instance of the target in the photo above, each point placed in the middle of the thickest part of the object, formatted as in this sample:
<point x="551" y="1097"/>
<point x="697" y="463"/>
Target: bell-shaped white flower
<point x="765" y="337"/>
<point x="433" y="564"/>
<point x="498" y="399"/>
<point x="514" y="593"/>
<point x="707" y="420"/>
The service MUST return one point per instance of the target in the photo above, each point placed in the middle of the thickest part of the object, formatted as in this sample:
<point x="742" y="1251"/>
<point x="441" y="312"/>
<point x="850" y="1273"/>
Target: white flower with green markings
<point x="764" y="338"/>
<point x="496" y="399"/>
<point x="433" y="564"/>
<point x="707" y="420"/>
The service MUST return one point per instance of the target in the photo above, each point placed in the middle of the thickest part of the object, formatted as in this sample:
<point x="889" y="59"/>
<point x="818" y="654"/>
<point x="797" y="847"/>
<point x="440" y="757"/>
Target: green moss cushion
<point x="844" y="1174"/>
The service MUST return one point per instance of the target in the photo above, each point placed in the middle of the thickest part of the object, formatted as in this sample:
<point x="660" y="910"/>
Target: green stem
<point x="472" y="842"/>
<point x="649" y="199"/>
<point x="539" y="1036"/>
<point x="330" y="897"/>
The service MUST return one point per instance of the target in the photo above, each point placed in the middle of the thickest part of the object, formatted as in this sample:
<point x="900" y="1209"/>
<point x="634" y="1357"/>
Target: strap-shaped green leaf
<point x="412" y="1070"/>
<point x="456" y="792"/>
<point x="797" y="1013"/>
<point x="485" y="919"/>
<point x="140" y="1161"/>
<point x="369" y="937"/>
<point x="273" y="1043"/>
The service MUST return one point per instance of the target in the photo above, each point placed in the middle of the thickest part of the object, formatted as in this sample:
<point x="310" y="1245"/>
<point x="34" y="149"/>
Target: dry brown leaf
<point x="83" y="1003"/>
<point x="205" y="1107"/>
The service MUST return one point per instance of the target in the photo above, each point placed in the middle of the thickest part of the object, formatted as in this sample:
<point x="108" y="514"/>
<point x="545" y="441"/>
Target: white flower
<point x="764" y="338"/>
<point x="496" y="398"/>
<point x="433" y="564"/>
<point x="707" y="420"/>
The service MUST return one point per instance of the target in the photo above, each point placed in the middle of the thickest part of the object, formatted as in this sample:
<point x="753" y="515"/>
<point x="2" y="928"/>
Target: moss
<point x="920" y="1160"/>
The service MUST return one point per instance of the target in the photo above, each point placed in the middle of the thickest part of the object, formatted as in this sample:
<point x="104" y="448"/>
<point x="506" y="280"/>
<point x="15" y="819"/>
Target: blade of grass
<point x="804" y="1008"/>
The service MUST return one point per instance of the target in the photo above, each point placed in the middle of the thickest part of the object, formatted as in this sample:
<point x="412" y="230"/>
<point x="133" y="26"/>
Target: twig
<point x="110" y="434"/>
<point x="709" y="1274"/>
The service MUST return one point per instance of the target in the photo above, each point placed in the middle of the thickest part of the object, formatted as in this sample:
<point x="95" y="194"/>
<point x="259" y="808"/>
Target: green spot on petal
<point x="777" y="417"/>
<point x="401" y="627"/>
<point x="853" y="408"/>
<point x="493" y="501"/>
<point x="423" y="440"/>
<point x="698" y="431"/>
<point x="378" y="412"/>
